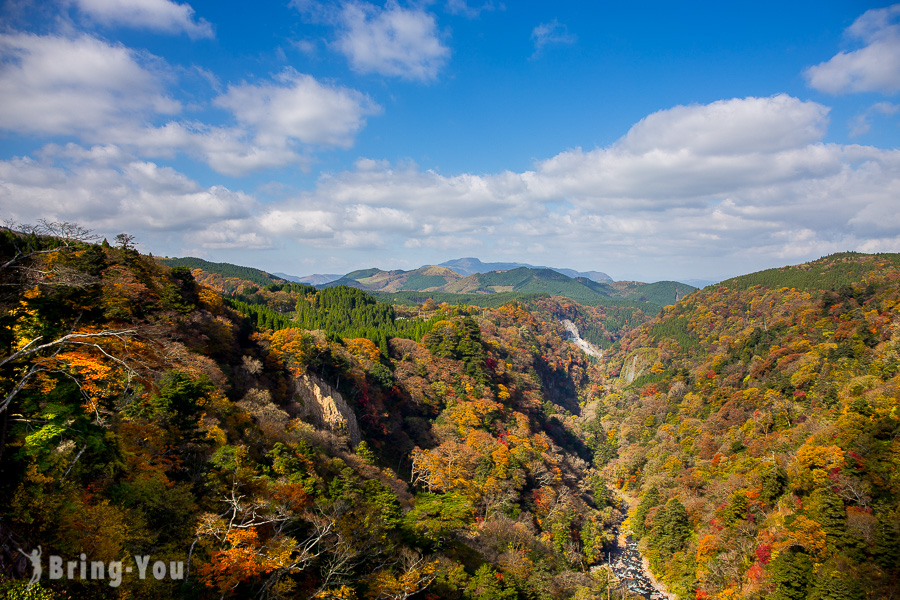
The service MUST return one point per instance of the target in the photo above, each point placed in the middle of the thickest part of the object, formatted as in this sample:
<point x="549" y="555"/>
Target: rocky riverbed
<point x="630" y="568"/>
<point x="631" y="571"/>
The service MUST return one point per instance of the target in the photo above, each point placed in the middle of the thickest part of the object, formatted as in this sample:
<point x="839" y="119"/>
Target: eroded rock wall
<point x="324" y="406"/>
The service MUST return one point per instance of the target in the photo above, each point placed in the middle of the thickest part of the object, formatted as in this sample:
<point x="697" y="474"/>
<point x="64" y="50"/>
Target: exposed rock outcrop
<point x="586" y="347"/>
<point x="324" y="406"/>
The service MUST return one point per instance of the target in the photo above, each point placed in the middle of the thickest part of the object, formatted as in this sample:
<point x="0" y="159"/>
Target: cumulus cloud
<point x="685" y="154"/>
<point x="300" y="221"/>
<point x="101" y="93"/>
<point x="392" y="41"/>
<point x="746" y="179"/>
<point x="297" y="106"/>
<point x="106" y="189"/>
<point x="693" y="189"/>
<point x="277" y="123"/>
<point x="873" y="68"/>
<point x="862" y="123"/>
<point x="736" y="126"/>
<point x="230" y="234"/>
<point x="60" y="85"/>
<point x="553" y="33"/>
<point x="157" y="15"/>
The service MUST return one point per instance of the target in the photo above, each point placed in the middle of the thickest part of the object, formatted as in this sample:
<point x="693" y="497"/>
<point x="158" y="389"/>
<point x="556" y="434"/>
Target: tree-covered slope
<point x="758" y="428"/>
<point x="285" y="441"/>
<point x="829" y="272"/>
<point x="227" y="270"/>
<point x="661" y="293"/>
<point x="440" y="282"/>
<point x="142" y="415"/>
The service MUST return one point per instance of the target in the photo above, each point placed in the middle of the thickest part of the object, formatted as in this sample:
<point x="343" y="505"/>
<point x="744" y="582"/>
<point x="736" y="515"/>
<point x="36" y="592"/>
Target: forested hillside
<point x="225" y="270"/>
<point x="144" y="416"/>
<point x="281" y="441"/>
<point x="757" y="426"/>
<point x="516" y="283"/>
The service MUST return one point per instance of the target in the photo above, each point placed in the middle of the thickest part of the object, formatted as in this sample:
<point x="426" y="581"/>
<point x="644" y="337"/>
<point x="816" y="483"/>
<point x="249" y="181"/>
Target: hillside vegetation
<point x="144" y="415"/>
<point x="829" y="272"/>
<point x="284" y="441"/>
<point x="441" y="282"/>
<point x="756" y="424"/>
<point x="226" y="270"/>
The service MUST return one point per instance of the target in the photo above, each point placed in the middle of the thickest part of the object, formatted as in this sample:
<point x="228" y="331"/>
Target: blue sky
<point x="652" y="141"/>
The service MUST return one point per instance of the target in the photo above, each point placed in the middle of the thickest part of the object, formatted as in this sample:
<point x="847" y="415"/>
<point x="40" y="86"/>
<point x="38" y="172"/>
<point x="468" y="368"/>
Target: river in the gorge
<point x="628" y="566"/>
<point x="625" y="560"/>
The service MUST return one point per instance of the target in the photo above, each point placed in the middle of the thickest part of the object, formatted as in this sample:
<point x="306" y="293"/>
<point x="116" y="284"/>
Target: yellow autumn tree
<point x="813" y="464"/>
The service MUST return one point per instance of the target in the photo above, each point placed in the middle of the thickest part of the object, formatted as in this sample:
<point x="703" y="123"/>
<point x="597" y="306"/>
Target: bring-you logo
<point x="98" y="570"/>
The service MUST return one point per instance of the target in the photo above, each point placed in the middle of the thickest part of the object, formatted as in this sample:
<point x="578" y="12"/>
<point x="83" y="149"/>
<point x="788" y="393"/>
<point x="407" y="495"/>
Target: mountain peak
<point x="471" y="265"/>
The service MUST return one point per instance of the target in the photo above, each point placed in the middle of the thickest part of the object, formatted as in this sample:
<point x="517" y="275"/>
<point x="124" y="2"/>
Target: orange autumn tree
<point x="240" y="561"/>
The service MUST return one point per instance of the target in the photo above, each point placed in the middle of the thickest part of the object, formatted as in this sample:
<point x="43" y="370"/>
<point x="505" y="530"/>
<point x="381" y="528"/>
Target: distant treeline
<point x="262" y="316"/>
<point x="351" y="312"/>
<point x="260" y="278"/>
<point x="410" y="298"/>
<point x="662" y="292"/>
<point x="830" y="272"/>
<point x="340" y="311"/>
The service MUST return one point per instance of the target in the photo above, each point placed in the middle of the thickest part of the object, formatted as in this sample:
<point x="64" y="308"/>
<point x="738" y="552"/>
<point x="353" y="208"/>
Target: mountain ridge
<point x="471" y="265"/>
<point x="520" y="280"/>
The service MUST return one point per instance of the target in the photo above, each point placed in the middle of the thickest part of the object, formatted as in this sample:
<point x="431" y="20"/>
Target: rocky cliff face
<point x="584" y="345"/>
<point x="636" y="364"/>
<point x="324" y="406"/>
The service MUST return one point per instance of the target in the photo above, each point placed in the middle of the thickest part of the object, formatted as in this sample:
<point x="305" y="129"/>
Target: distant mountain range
<point x="316" y="279"/>
<point x="469" y="279"/>
<point x="463" y="266"/>
<point x="471" y="266"/>
<point x="440" y="280"/>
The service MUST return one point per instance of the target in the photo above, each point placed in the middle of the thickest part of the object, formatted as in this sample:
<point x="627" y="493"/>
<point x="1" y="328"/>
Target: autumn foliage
<point x="149" y="410"/>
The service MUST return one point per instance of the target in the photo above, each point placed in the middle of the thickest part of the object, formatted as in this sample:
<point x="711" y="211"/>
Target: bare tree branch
<point x="33" y="348"/>
<point x="66" y="234"/>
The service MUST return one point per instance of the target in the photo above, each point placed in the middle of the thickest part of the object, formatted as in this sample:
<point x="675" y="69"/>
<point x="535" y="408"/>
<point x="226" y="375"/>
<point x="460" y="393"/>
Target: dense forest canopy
<point x="282" y="441"/>
<point x="758" y="423"/>
<point x="227" y="270"/>
<point x="161" y="421"/>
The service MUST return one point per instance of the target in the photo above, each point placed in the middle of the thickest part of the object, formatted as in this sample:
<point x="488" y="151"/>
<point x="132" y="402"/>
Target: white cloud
<point x="392" y="41"/>
<point x="228" y="150"/>
<point x="461" y="7"/>
<point x="316" y="11"/>
<point x="362" y="217"/>
<point x="105" y="189"/>
<point x="156" y="15"/>
<point x="684" y="155"/>
<point x="302" y="222"/>
<point x="298" y="107"/>
<point x="105" y="94"/>
<point x="873" y="68"/>
<point x="230" y="234"/>
<point x="277" y="123"/>
<point x="726" y="127"/>
<point x="309" y="47"/>
<point x="862" y="123"/>
<point x="737" y="180"/>
<point x="82" y="85"/>
<point x="553" y="33"/>
<point x="692" y="190"/>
